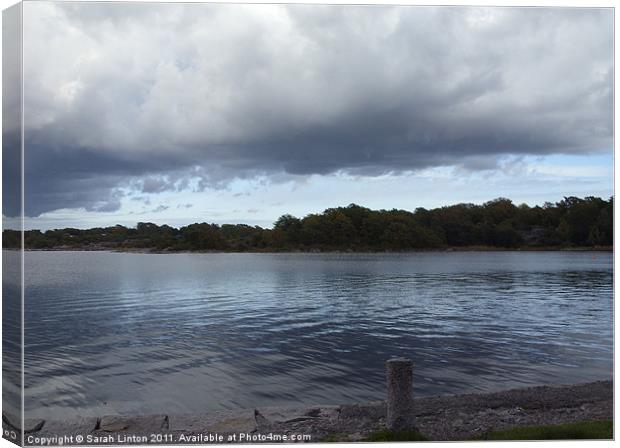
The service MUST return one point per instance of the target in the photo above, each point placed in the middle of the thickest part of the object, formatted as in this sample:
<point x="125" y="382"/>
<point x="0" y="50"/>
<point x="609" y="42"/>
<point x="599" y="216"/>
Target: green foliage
<point x="570" y="431"/>
<point x="287" y="231"/>
<point x="386" y="435"/>
<point x="572" y="222"/>
<point x="591" y="430"/>
<point x="11" y="239"/>
<point x="335" y="437"/>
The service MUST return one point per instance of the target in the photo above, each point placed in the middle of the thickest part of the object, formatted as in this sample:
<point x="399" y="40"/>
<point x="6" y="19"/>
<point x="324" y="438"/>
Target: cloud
<point x="155" y="97"/>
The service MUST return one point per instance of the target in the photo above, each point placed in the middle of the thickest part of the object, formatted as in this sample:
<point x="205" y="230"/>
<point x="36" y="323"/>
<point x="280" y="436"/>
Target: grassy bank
<point x="593" y="430"/>
<point x="570" y="431"/>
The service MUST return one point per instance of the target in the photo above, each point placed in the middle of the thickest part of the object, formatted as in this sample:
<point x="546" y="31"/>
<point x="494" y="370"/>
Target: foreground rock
<point x="457" y="417"/>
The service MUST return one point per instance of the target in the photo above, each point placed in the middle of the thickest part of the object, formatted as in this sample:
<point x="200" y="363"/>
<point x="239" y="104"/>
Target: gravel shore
<point x="454" y="417"/>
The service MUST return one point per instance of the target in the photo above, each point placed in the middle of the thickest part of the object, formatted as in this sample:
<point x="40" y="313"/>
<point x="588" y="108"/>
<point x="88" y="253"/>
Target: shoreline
<point x="440" y="418"/>
<point x="440" y="250"/>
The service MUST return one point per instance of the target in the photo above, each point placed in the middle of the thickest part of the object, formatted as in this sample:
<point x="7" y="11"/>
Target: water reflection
<point x="133" y="333"/>
<point x="11" y="333"/>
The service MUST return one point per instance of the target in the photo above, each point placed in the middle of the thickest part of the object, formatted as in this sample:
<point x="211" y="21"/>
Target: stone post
<point x="400" y="415"/>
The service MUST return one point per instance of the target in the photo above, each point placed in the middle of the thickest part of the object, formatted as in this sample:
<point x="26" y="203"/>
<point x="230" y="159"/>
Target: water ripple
<point x="129" y="333"/>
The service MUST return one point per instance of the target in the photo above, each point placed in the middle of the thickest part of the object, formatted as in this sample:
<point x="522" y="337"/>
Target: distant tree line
<point x="572" y="222"/>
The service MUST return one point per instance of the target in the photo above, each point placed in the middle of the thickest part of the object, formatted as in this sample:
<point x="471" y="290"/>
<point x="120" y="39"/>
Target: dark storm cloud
<point x="149" y="97"/>
<point x="11" y="112"/>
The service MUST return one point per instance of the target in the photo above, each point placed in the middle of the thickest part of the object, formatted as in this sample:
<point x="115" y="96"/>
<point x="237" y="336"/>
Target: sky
<point x="182" y="113"/>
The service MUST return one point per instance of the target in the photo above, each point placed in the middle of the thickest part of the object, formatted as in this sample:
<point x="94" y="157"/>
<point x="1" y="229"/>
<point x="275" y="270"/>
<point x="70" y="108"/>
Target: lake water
<point x="127" y="333"/>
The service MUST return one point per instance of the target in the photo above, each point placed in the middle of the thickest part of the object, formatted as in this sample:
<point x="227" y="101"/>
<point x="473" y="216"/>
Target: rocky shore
<point x="454" y="417"/>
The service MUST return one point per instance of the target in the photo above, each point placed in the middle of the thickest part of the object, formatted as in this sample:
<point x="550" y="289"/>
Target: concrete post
<point x="400" y="394"/>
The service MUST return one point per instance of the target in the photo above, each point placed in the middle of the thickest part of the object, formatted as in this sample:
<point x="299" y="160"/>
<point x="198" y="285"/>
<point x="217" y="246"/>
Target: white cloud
<point x="131" y="94"/>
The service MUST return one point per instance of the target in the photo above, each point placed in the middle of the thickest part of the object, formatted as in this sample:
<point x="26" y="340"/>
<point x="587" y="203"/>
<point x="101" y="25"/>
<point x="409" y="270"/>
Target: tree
<point x="288" y="229"/>
<point x="571" y="222"/>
